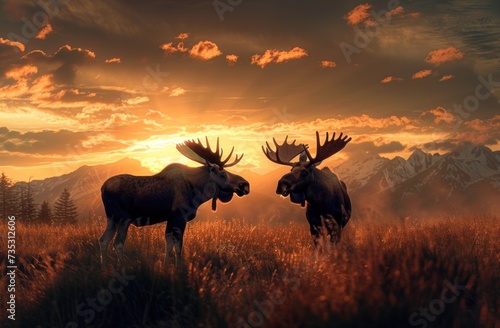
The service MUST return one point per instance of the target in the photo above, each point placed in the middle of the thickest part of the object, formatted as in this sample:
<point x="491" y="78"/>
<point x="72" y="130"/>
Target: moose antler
<point x="194" y="150"/>
<point x="284" y="153"/>
<point x="329" y="148"/>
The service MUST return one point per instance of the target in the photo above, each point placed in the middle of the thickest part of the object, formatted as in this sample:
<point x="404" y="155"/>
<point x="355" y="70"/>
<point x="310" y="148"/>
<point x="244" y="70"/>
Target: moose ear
<point x="212" y="167"/>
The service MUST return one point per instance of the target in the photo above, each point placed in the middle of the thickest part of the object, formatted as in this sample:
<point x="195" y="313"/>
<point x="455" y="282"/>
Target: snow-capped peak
<point x="480" y="159"/>
<point x="357" y="172"/>
<point x="421" y="161"/>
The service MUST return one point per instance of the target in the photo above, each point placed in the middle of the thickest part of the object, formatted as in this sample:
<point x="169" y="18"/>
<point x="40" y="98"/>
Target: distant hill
<point x="84" y="184"/>
<point x="467" y="179"/>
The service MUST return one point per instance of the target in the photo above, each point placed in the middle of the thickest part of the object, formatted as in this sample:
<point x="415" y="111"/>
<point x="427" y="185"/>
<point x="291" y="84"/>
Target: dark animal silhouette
<point x="173" y="195"/>
<point x="328" y="204"/>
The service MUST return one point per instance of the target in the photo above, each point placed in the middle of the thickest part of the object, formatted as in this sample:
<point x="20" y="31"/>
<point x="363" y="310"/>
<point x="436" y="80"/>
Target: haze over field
<point x="94" y="82"/>
<point x="423" y="186"/>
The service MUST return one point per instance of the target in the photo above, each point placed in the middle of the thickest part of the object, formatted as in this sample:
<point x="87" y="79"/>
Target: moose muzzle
<point x="242" y="189"/>
<point x="284" y="188"/>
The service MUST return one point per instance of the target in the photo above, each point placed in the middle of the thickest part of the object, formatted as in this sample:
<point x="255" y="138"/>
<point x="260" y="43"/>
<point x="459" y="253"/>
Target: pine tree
<point x="18" y="191"/>
<point x="45" y="214"/>
<point x="25" y="202"/>
<point x="29" y="205"/>
<point x="65" y="210"/>
<point x="6" y="197"/>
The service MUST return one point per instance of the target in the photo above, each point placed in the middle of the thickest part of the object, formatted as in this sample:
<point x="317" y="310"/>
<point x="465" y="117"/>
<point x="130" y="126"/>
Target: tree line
<point x="17" y="199"/>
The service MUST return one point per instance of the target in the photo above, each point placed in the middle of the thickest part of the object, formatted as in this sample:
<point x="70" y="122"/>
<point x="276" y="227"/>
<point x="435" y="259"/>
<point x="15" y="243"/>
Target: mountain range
<point x="466" y="179"/>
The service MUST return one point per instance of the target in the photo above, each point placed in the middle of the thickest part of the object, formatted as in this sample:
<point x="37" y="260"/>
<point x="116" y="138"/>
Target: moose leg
<point x="316" y="234"/>
<point x="174" y="234"/>
<point x="122" y="228"/>
<point x="106" y="237"/>
<point x="314" y="220"/>
<point x="334" y="229"/>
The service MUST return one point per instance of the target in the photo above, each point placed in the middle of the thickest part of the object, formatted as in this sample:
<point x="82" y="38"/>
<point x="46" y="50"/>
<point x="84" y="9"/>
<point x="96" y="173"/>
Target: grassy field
<point x="443" y="272"/>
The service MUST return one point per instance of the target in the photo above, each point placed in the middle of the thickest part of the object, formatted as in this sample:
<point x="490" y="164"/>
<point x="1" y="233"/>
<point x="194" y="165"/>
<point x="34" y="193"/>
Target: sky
<point x="91" y="82"/>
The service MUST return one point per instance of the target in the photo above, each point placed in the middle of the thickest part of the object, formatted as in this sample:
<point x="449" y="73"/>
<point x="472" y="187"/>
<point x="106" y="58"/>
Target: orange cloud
<point x="276" y="56"/>
<point x="19" y="72"/>
<point x="361" y="14"/>
<point x="358" y="15"/>
<point x="328" y="64"/>
<point x="441" y="56"/>
<point x="169" y="48"/>
<point x="441" y="115"/>
<point x="177" y="92"/>
<point x="231" y="59"/>
<point x="491" y="124"/>
<point x="10" y="43"/>
<point x="421" y="74"/>
<point x="391" y="79"/>
<point x="446" y="78"/>
<point x="42" y="86"/>
<point x="137" y="100"/>
<point x="414" y="15"/>
<point x="65" y="50"/>
<point x="205" y="50"/>
<point x="46" y="30"/>
<point x="15" y="90"/>
<point x="114" y="60"/>
<point x="396" y="11"/>
<point x="182" y="36"/>
<point x="375" y="123"/>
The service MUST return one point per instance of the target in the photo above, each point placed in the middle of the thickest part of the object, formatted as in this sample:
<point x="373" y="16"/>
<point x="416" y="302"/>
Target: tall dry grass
<point x="239" y="274"/>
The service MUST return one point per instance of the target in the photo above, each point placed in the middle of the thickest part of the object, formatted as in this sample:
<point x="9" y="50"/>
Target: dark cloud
<point x="10" y="51"/>
<point x="67" y="59"/>
<point x="442" y="145"/>
<point x="62" y="142"/>
<point x="370" y="148"/>
<point x="20" y="160"/>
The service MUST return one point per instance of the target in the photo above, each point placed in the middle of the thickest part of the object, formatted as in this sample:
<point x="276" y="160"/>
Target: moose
<point x="172" y="195"/>
<point x="328" y="204"/>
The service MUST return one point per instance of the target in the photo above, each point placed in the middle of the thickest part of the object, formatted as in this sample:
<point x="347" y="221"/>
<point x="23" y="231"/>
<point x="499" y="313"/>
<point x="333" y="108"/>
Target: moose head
<point x="302" y="174"/>
<point x="225" y="182"/>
